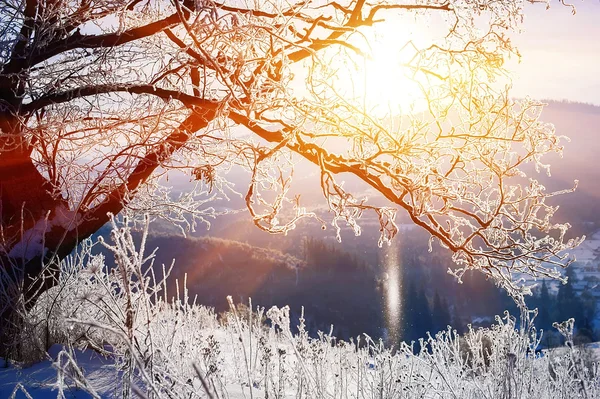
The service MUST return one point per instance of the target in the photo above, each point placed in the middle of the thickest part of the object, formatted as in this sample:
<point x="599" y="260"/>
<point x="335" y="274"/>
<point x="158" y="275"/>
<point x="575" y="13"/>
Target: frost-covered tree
<point x="100" y="97"/>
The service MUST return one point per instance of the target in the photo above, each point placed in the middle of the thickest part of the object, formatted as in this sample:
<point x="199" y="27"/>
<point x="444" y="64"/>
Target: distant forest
<point x="339" y="288"/>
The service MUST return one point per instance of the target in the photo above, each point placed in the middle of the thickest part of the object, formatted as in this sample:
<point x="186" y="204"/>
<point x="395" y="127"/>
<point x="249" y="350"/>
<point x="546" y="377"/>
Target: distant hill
<point x="323" y="279"/>
<point x="572" y="106"/>
<point x="581" y="161"/>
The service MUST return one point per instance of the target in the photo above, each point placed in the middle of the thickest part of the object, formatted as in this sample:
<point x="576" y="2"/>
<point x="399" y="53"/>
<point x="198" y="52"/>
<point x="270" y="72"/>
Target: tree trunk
<point x="32" y="232"/>
<point x="22" y="283"/>
<point x="27" y="204"/>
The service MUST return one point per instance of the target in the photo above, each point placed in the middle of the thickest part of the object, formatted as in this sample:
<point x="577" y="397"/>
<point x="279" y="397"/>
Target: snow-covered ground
<point x="40" y="379"/>
<point x="325" y="370"/>
<point x="165" y="347"/>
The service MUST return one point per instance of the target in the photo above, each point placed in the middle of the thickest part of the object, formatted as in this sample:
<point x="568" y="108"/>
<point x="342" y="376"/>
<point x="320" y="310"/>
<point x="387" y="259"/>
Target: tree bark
<point x="26" y="202"/>
<point x="32" y="244"/>
<point x="25" y="195"/>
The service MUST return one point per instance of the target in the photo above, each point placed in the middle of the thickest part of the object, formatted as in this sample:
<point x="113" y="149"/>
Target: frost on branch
<point x="465" y="173"/>
<point x="472" y="187"/>
<point x="93" y="116"/>
<point x="186" y="210"/>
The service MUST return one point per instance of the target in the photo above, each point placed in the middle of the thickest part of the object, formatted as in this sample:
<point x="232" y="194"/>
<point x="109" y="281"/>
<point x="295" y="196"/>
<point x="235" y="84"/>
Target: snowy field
<point x="242" y="357"/>
<point x="40" y="379"/>
<point x="157" y="344"/>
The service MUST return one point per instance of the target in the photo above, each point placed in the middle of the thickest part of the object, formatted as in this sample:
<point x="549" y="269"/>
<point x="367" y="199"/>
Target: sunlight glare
<point x="382" y="79"/>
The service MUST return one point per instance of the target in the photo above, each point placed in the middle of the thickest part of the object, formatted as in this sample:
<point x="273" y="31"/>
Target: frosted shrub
<point x="163" y="345"/>
<point x="125" y="312"/>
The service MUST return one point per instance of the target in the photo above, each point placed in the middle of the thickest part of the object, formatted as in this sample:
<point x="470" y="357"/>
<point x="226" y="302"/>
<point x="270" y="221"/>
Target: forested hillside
<point x="334" y="287"/>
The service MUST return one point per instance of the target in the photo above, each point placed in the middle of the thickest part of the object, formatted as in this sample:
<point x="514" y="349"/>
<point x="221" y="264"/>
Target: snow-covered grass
<point x="124" y="335"/>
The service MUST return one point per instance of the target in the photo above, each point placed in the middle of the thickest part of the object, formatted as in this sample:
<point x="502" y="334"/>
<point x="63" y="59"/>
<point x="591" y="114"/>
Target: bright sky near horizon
<point x="560" y="53"/>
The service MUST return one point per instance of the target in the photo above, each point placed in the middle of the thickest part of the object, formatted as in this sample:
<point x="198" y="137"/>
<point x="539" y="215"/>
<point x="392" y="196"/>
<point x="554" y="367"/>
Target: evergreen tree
<point x="441" y="313"/>
<point x="545" y="305"/>
<point x="568" y="303"/>
<point x="585" y="332"/>
<point x="424" y="322"/>
<point x="409" y="310"/>
<point x="458" y="322"/>
<point x="589" y="305"/>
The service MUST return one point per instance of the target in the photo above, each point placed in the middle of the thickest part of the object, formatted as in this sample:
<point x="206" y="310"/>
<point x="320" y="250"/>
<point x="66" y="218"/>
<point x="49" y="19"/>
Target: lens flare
<point x="384" y="79"/>
<point x="393" y="290"/>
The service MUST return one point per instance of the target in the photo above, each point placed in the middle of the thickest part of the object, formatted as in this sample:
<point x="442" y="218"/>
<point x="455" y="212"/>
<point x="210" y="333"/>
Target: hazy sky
<point x="560" y="52"/>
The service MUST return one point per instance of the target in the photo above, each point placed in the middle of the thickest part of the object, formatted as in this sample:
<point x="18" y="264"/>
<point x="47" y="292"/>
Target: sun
<point x="382" y="77"/>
